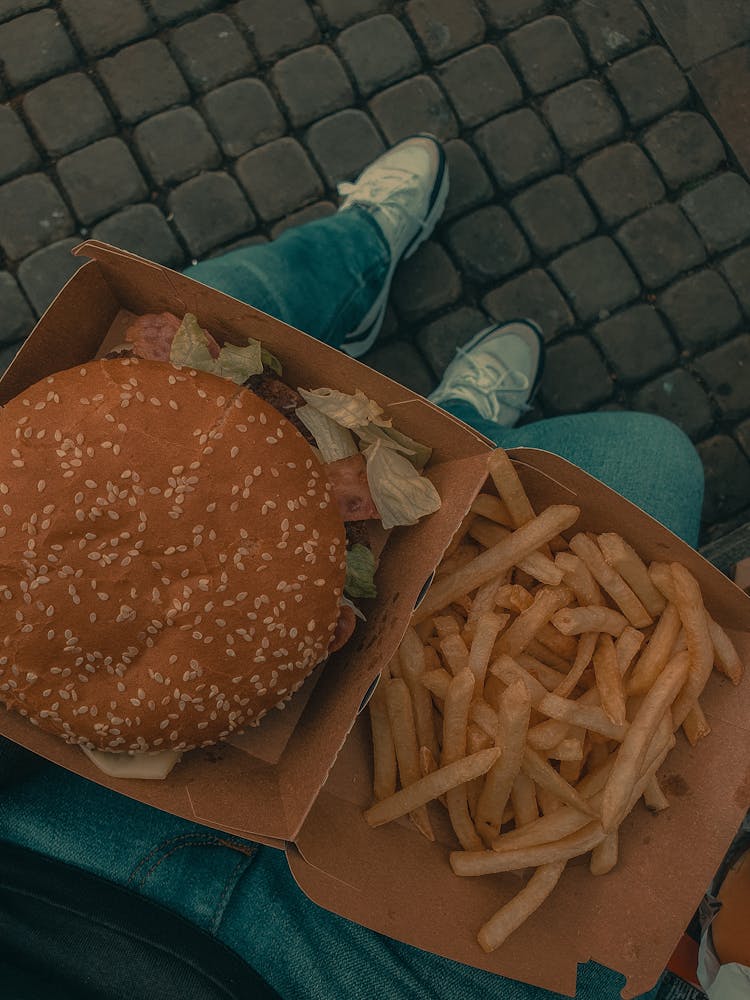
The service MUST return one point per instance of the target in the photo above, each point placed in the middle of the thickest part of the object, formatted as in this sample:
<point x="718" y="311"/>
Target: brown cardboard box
<point x="395" y="882"/>
<point x="260" y="785"/>
<point x="272" y="787"/>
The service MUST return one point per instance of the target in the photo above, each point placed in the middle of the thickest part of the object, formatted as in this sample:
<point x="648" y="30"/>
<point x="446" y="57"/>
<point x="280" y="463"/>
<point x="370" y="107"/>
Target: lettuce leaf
<point x="399" y="492"/>
<point x="239" y="363"/>
<point x="271" y="361"/>
<point x="333" y="440"/>
<point x="418" y="454"/>
<point x="348" y="410"/>
<point x="190" y="346"/>
<point x="360" y="572"/>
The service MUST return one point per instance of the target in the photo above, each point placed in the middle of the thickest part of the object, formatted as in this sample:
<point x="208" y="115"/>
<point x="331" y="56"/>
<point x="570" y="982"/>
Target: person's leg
<point x="322" y="277"/>
<point x="645" y="458"/>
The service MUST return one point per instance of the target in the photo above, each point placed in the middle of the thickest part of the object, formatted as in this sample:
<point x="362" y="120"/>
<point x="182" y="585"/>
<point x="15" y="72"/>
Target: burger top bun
<point x="172" y="559"/>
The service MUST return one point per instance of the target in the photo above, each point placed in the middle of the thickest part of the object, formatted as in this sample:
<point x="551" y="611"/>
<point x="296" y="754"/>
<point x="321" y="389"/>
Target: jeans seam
<point x="356" y="291"/>
<point x="229" y="885"/>
<point x="182" y="840"/>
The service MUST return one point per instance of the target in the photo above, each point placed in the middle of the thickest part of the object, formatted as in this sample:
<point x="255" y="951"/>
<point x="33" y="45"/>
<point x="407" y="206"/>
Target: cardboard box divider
<point x="391" y="879"/>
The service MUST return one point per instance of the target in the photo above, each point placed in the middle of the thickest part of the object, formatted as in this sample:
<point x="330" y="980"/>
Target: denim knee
<point x="662" y="441"/>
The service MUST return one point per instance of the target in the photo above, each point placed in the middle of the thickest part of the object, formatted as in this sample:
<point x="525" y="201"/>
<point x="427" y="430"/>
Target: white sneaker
<point x="497" y="372"/>
<point x="405" y="191"/>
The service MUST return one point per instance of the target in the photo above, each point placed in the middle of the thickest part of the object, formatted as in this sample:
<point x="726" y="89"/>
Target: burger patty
<point x="357" y="533"/>
<point x="280" y="396"/>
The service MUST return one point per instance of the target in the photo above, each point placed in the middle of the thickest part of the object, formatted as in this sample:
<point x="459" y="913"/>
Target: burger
<point x="184" y="538"/>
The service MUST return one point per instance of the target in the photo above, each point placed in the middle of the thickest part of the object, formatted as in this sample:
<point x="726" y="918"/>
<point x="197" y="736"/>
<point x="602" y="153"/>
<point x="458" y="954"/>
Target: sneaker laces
<point x="375" y="191"/>
<point x="489" y="379"/>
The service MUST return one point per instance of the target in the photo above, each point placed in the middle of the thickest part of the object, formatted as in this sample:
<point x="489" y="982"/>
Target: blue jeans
<point x="322" y="278"/>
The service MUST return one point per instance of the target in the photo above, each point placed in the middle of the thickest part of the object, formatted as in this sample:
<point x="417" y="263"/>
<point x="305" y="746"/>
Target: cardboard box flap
<point x="395" y="882"/>
<point x="232" y="787"/>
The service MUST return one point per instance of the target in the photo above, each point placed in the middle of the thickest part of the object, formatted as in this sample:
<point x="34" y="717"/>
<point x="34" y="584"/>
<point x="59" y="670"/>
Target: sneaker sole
<point x="361" y="340"/>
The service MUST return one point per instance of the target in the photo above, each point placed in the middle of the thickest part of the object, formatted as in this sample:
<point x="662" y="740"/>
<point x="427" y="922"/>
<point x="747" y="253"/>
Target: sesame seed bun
<point x="172" y="557"/>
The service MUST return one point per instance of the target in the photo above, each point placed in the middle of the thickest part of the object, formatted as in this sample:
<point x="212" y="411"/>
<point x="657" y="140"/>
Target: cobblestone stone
<point x="701" y="309"/>
<point x="142" y="229"/>
<point x="517" y="148"/>
<point x="312" y="83"/>
<point x="210" y="51"/>
<point x="426" y="282"/>
<point x="277" y="28"/>
<point x="446" y="26"/>
<point x="742" y="433"/>
<point x="726" y="372"/>
<point x="720" y="211"/>
<point x="243" y="115"/>
<point x="344" y="144"/>
<point x="402" y="362"/>
<point x="438" y="340"/>
<point x="469" y="184"/>
<point x="575" y="377"/>
<point x="583" y="117"/>
<point x="17" y="153"/>
<point x="378" y="51"/>
<point x="34" y="47"/>
<point x="737" y="271"/>
<point x="661" y="244"/>
<point x="727" y="477"/>
<point x="480" y="84"/>
<point x="648" y="83"/>
<point x="32" y="214"/>
<point x="103" y="25"/>
<point x="171" y="11"/>
<point x="596" y="277"/>
<point x="100" y="178"/>
<point x="142" y="80"/>
<point x="12" y="8"/>
<point x="532" y="295"/>
<point x="67" y="112"/>
<point x="209" y="210"/>
<point x="554" y="214"/>
<point x="684" y="147"/>
<point x="547" y="54"/>
<point x="636" y="343"/>
<point x="611" y="27"/>
<point x="17" y="317"/>
<point x="43" y="274"/>
<point x="504" y="14"/>
<point x="176" y="145"/>
<point x="311" y="213"/>
<point x="621" y="181"/>
<point x="677" y="396"/>
<point x="343" y="12"/>
<point x="416" y="105"/>
<point x="279" y="178"/>
<point x="487" y="244"/>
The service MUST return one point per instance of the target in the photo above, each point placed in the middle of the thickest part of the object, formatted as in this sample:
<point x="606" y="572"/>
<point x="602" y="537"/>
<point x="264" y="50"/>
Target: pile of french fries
<point x="537" y="692"/>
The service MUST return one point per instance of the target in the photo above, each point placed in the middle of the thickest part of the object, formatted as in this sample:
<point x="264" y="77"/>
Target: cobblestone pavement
<point x="591" y="188"/>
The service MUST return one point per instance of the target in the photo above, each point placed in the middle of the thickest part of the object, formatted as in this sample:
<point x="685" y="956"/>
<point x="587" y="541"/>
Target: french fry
<point x="510" y="488"/>
<point x="547" y="735"/>
<point x="565" y="646"/>
<point x="577" y="576"/>
<point x="404" y="733"/>
<point x="654" y="657"/>
<point x="568" y="749"/>
<point x="695" y="725"/>
<point x="523" y="799"/>
<point x="548" y="801"/>
<point x="536" y="564"/>
<point x="499" y="559"/>
<point x="477" y="738"/>
<point x="431" y="659"/>
<point x="608" y="680"/>
<point x="634" y="747"/>
<point x="626" y="561"/>
<point x="455" y="724"/>
<point x="463" y="554"/>
<point x="436" y="681"/>
<point x="455" y="654"/>
<point x="460" y="534"/>
<point x="626" y="647"/>
<point x="653" y="796"/>
<point x="584" y="654"/>
<point x="510" y="736"/>
<point x="604" y="855"/>
<point x="545" y="776"/>
<point x="487" y="629"/>
<point x="693" y="617"/>
<point x="611" y="581"/>
<point x="543" y="654"/>
<point x="383" y="750"/>
<point x="492" y="508"/>
<point x="431" y="786"/>
<point x="411" y="654"/>
<point x="446" y="625"/>
<point x="661" y="577"/>
<point x="512" y="597"/>
<point x="575" y="621"/>
<point x="472" y="863"/>
<point x="547" y="676"/>
<point x="428" y="764"/>
<point x="725" y="655"/>
<point x="570" y="770"/>
<point x="509" y="917"/>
